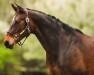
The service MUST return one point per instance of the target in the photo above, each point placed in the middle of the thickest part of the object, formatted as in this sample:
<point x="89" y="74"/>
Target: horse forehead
<point x="17" y="16"/>
<point x="13" y="18"/>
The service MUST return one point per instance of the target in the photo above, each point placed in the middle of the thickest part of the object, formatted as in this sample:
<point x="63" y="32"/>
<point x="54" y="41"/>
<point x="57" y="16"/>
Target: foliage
<point x="8" y="59"/>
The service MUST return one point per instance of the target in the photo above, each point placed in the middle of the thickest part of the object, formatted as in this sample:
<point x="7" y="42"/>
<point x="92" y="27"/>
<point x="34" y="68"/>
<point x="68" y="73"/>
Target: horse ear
<point x="21" y="10"/>
<point x="14" y="7"/>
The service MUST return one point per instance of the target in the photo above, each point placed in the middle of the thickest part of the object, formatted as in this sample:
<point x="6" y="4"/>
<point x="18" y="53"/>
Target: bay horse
<point x="68" y="50"/>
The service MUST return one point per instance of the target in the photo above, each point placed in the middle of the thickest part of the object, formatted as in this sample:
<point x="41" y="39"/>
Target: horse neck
<point x="49" y="34"/>
<point x="48" y="37"/>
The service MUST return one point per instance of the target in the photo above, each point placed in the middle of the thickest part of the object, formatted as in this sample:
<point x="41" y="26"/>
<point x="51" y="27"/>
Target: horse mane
<point x="66" y="27"/>
<point x="56" y="21"/>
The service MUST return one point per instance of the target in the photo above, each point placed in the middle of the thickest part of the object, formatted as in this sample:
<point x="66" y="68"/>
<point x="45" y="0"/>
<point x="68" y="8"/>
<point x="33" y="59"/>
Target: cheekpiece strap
<point x="27" y="21"/>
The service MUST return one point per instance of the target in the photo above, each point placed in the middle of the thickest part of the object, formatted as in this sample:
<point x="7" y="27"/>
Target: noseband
<point x="26" y="28"/>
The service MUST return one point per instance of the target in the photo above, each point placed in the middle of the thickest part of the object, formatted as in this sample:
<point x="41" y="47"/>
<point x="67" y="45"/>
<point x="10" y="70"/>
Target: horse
<point x="68" y="50"/>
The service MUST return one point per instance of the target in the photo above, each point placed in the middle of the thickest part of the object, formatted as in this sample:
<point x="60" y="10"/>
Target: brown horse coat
<point x="68" y="50"/>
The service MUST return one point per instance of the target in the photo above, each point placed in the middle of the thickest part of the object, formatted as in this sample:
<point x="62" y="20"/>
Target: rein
<point x="27" y="28"/>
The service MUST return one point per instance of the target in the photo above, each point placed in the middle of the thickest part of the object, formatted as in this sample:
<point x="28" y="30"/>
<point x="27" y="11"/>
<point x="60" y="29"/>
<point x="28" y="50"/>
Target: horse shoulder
<point x="72" y="61"/>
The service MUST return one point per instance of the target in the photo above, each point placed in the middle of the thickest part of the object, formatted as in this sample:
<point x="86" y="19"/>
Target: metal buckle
<point x="27" y="20"/>
<point x="27" y="27"/>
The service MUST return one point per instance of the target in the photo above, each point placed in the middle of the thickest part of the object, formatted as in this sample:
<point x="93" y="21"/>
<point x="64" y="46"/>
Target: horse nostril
<point x="6" y="43"/>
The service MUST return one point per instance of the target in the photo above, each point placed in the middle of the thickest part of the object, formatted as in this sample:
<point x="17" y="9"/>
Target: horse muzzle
<point x="9" y="42"/>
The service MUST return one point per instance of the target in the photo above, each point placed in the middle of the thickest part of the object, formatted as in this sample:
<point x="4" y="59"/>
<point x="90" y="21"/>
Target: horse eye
<point x="18" y="21"/>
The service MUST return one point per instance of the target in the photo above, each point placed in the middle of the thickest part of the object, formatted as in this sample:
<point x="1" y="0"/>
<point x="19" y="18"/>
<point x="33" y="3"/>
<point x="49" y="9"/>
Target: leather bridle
<point x="26" y="28"/>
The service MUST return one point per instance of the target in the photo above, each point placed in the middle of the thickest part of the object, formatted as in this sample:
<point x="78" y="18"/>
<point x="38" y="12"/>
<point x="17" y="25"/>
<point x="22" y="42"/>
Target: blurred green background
<point x="30" y="59"/>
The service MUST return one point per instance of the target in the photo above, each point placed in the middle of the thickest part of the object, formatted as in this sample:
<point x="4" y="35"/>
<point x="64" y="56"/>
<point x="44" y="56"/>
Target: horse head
<point x="20" y="28"/>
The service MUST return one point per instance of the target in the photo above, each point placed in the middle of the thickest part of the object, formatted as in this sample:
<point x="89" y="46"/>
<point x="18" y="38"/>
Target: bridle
<point x="26" y="28"/>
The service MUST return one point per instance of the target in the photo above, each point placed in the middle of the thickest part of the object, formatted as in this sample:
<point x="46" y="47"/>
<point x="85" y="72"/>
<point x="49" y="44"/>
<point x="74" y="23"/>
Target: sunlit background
<point x="30" y="59"/>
